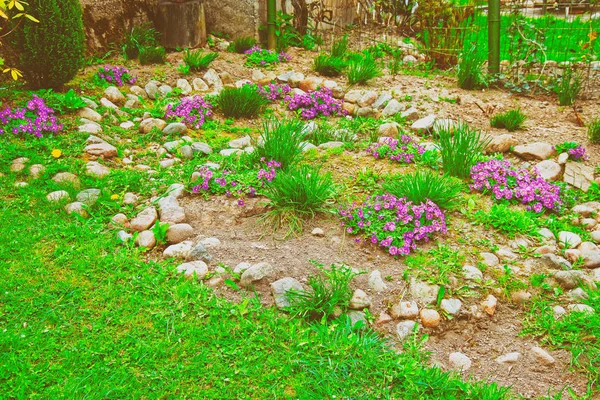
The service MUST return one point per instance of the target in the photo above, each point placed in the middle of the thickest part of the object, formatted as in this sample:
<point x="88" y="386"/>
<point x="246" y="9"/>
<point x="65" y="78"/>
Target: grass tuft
<point x="152" y="55"/>
<point x="243" y="102"/>
<point x="568" y="86"/>
<point x="327" y="65"/>
<point x="512" y="120"/>
<point x="197" y="60"/>
<point x="470" y="69"/>
<point x="362" y="69"/>
<point x="594" y="131"/>
<point x="240" y="45"/>
<point x="281" y="140"/>
<point x="425" y="184"/>
<point x="460" y="148"/>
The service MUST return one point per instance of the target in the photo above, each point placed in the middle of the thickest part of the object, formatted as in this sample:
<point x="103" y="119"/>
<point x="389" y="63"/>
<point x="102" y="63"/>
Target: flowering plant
<point x="35" y="118"/>
<point x="191" y="110"/>
<point x="314" y="104"/>
<point x="394" y="222"/>
<point x="404" y="150"/>
<point x="273" y="91"/>
<point x="575" y="150"/>
<point x="257" y="57"/>
<point x="506" y="182"/>
<point x="116" y="75"/>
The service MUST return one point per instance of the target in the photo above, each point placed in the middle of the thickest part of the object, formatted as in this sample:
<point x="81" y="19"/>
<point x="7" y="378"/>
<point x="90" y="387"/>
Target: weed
<point x="152" y="55"/>
<point x="509" y="220"/>
<point x="281" y="141"/>
<point x="363" y="69"/>
<point x="328" y="296"/>
<point x="160" y="232"/>
<point x="424" y="184"/>
<point x="511" y="120"/>
<point x="568" y="86"/>
<point x="339" y="48"/>
<point x="594" y="131"/>
<point x="460" y="147"/>
<point x="139" y="37"/>
<point x="327" y="65"/>
<point x="470" y="69"/>
<point x="436" y="265"/>
<point x="197" y="60"/>
<point x="63" y="103"/>
<point x="243" y="102"/>
<point x="240" y="45"/>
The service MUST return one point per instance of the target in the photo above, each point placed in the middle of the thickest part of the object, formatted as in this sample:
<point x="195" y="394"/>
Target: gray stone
<point x="412" y="114"/>
<point x="164" y="90"/>
<point x="405" y="329"/>
<point x="572" y="279"/>
<point x="108" y="104"/>
<point x="186" y="152"/>
<point x="114" y="95"/>
<point x="213" y="80"/>
<point x="389" y="129"/>
<point x="489" y="259"/>
<point x="364" y="112"/>
<point x="409" y="59"/>
<point x="199" y="85"/>
<point x="459" y="361"/>
<point x="579" y="175"/>
<point x="582" y="308"/>
<point x="67" y="178"/>
<point x="591" y="259"/>
<point x="578" y="294"/>
<point x="180" y="250"/>
<point x="172" y="146"/>
<point x="295" y="78"/>
<point x="192" y="269"/>
<point x="175" y="128"/>
<point x="471" y="273"/>
<point x="151" y="90"/>
<point x="568" y="240"/>
<point x="240" y="143"/>
<point x="199" y="147"/>
<point x="424" y="124"/>
<point x="119" y="220"/>
<point x="451" y="306"/>
<point x="104" y="149"/>
<point x="318" y="232"/>
<point x="199" y="252"/>
<point x="152" y="123"/>
<point x="127" y="125"/>
<point x="256" y="273"/>
<point x="393" y="107"/>
<point x="367" y="99"/>
<point x="549" y="170"/>
<point x="124" y="237"/>
<point x="405" y="310"/>
<point x="542" y="356"/>
<point x="185" y="86"/>
<point x="555" y="261"/>
<point x="331" y="145"/>
<point x="89" y="114"/>
<point x="36" y="170"/>
<point x="146" y="239"/>
<point x="90" y="103"/>
<point x="382" y="100"/>
<point x="77" y="207"/>
<point x="177" y="233"/>
<point x="96" y="169"/>
<point x="144" y="219"/>
<point x="547" y="235"/>
<point x="176" y="190"/>
<point x="241" y="267"/>
<point x="170" y="210"/>
<point x="88" y="197"/>
<point x="130" y="198"/>
<point x="210" y="242"/>
<point x="534" y="151"/>
<point x="509" y="358"/>
<point x="423" y="292"/>
<point x="138" y="91"/>
<point x="93" y="129"/>
<point x="229" y="152"/>
<point x="359" y="300"/>
<point x="357" y="317"/>
<point x="280" y="289"/>
<point x="376" y="283"/>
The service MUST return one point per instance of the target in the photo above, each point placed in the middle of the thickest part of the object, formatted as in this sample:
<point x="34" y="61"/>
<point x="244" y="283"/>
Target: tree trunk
<point x="182" y="24"/>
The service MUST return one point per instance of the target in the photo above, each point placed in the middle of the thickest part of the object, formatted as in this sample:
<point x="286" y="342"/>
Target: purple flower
<point x="316" y="103"/>
<point x="191" y="110"/>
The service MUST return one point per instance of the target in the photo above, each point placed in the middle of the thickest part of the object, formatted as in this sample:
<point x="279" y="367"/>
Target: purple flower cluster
<point x="192" y="111"/>
<point x="403" y="151"/>
<point x="35" y="118"/>
<point x="116" y="75"/>
<point x="506" y="182"/>
<point x="274" y="91"/>
<point x="394" y="223"/>
<point x="317" y="103"/>
<point x="267" y="175"/>
<point x="578" y="153"/>
<point x="256" y="56"/>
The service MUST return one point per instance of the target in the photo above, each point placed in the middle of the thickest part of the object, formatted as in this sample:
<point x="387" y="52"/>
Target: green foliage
<point x="594" y="130"/>
<point x="63" y="103"/>
<point x="240" y="45"/>
<point x="152" y="55"/>
<point x="339" y="48"/>
<point x="160" y="232"/>
<point x="328" y="296"/>
<point x="139" y="37"/>
<point x="362" y="69"/>
<point x="295" y="194"/>
<point x="436" y="265"/>
<point x="289" y="36"/>
<point x="51" y="52"/>
<point x="327" y="65"/>
<point x="509" y="220"/>
<point x="243" y="102"/>
<point x="568" y="86"/>
<point x="425" y="184"/>
<point x="281" y="140"/>
<point x="511" y="120"/>
<point x="197" y="60"/>
<point x="460" y="148"/>
<point x="470" y="69"/>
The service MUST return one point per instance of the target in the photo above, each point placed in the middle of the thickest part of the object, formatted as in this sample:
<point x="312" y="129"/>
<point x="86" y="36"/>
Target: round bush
<point x="51" y="51"/>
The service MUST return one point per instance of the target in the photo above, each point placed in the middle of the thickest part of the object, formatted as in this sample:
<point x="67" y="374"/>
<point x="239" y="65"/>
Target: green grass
<point x="152" y="55"/>
<point x="423" y="185"/>
<point x="362" y="69"/>
<point x="594" y="130"/>
<point x="281" y="140"/>
<point x="460" y="148"/>
<point x="197" y="60"/>
<point x="469" y="72"/>
<point x="509" y="220"/>
<point x="568" y="86"/>
<point x="327" y="65"/>
<point x="240" y="45"/>
<point x="511" y="120"/>
<point x="243" y="102"/>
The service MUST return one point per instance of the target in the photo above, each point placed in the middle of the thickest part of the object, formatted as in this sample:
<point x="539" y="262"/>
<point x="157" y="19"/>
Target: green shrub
<point x="568" y="86"/>
<point x="152" y="55"/>
<point x="470" y="69"/>
<point x="327" y="65"/>
<point x="460" y="147"/>
<point x="63" y="103"/>
<point x="240" y="45"/>
<point x="362" y="69"/>
<point x="281" y="140"/>
<point x="51" y="51"/>
<point x="328" y="295"/>
<point x="508" y="220"/>
<point x="243" y="102"/>
<point x="197" y="60"/>
<point x="425" y="184"/>
<point x="138" y="37"/>
<point x="594" y="131"/>
<point x="512" y="120"/>
<point x="339" y="48"/>
<point x="297" y="193"/>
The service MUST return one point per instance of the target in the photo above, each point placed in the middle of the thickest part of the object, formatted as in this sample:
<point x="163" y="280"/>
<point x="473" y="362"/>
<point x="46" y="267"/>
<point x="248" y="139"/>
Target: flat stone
<point x="229" y="152"/>
<point x="152" y="123"/>
<point x="144" y="220"/>
<point x="571" y="279"/>
<point x="591" y="259"/>
<point x="96" y="169"/>
<point x="331" y="145"/>
<point x="582" y="308"/>
<point x="114" y="95"/>
<point x="67" y="178"/>
<point x="451" y="306"/>
<point x="36" y="170"/>
<point x="178" y="233"/>
<point x="489" y="259"/>
<point x="104" y="102"/>
<point x="423" y="124"/>
<point x="459" y="361"/>
<point x="146" y="239"/>
<point x="241" y="142"/>
<point x="210" y="242"/>
<point x="412" y="114"/>
<point x="555" y="261"/>
<point x="376" y="283"/>
<point x="568" y="240"/>
<point x="199" y="147"/>
<point x="579" y="175"/>
<point x="392" y="108"/>
<point x="185" y="86"/>
<point x="88" y="197"/>
<point x="501" y="144"/>
<point x="382" y="100"/>
<point x="542" y="356"/>
<point x="587" y="209"/>
<point x="549" y="170"/>
<point x="213" y="80"/>
<point x="509" y="358"/>
<point x="179" y="250"/>
<point x="318" y="232"/>
<point x="280" y="289"/>
<point x="534" y="151"/>
<point x="199" y="252"/>
<point x="423" y="292"/>
<point x="151" y="90"/>
<point x="175" y="128"/>
<point x="256" y="273"/>
<point x="170" y="211"/>
<point x="104" y="149"/>
<point x="389" y="129"/>
<point x="472" y="273"/>
<point x="138" y="91"/>
<point x="192" y="269"/>
<point x="405" y="310"/>
<point x="405" y="329"/>
<point x="92" y="129"/>
<point x="89" y="114"/>
<point x="359" y="300"/>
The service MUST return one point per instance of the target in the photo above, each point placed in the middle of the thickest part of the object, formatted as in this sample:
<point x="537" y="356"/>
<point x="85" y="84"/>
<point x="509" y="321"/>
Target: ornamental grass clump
<point x="460" y="147"/>
<point x="575" y="151"/>
<point x="394" y="222"/>
<point x="470" y="73"/>
<point x="315" y="104"/>
<point x="405" y="150"/>
<point x="242" y="102"/>
<point x="423" y="185"/>
<point x="327" y="65"/>
<point x="281" y="141"/>
<point x="594" y="131"/>
<point x="192" y="111"/>
<point x="512" y="120"/>
<point x="115" y="75"/>
<point x="568" y="86"/>
<point x="505" y="182"/>
<point x="257" y="57"/>
<point x="197" y="60"/>
<point x="241" y="45"/>
<point x="36" y="118"/>
<point x="362" y="69"/>
<point x="152" y="55"/>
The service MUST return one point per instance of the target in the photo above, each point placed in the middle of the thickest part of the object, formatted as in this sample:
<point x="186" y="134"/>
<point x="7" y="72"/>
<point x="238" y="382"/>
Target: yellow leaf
<point x="3" y="14"/>
<point x="16" y="74"/>
<point x="19" y="6"/>
<point x="31" y="17"/>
